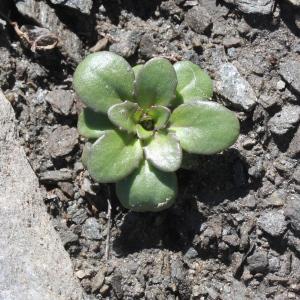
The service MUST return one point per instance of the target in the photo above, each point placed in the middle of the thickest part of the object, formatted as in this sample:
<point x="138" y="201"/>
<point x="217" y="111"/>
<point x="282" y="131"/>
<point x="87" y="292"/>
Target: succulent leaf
<point x="142" y="133"/>
<point x="114" y="156"/>
<point x="204" y="127"/>
<point x="122" y="115"/>
<point x="147" y="189"/>
<point x="160" y="115"/>
<point x="92" y="124"/>
<point x="136" y="69"/>
<point x="164" y="152"/>
<point x="103" y="79"/>
<point x="155" y="83"/>
<point x="193" y="83"/>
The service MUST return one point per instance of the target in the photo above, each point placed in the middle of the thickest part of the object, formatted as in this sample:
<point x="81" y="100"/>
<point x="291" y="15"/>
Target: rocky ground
<point x="235" y="230"/>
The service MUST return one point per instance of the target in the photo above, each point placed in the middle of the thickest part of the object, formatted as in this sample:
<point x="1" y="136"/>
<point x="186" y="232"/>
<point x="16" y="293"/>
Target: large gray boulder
<point x="33" y="263"/>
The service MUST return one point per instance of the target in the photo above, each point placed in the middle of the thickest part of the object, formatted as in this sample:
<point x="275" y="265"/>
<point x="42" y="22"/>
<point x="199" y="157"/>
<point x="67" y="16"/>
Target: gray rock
<point x="147" y="47"/>
<point x="67" y="188"/>
<point x="198" y="19"/>
<point x="294" y="146"/>
<point x="170" y="8"/>
<point x="61" y="101"/>
<point x="231" y="240"/>
<point x="127" y="43"/>
<point x="56" y="175"/>
<point x="34" y="264"/>
<point x="284" y="120"/>
<point x="83" y="6"/>
<point x="191" y="253"/>
<point x="45" y="16"/>
<point x="273" y="223"/>
<point x="6" y="66"/>
<point x="98" y="280"/>
<point x="116" y="283"/>
<point x="67" y="237"/>
<point x="290" y="71"/>
<point x="62" y="141"/>
<point x="229" y="42"/>
<point x="296" y="175"/>
<point x="79" y="216"/>
<point x="292" y="212"/>
<point x="234" y="88"/>
<point x="258" y="262"/>
<point x="267" y="101"/>
<point x="260" y="7"/>
<point x="274" y="264"/>
<point x="91" y="229"/>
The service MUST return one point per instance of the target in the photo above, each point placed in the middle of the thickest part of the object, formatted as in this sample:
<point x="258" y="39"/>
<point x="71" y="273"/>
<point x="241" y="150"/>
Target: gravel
<point x="34" y="264"/>
<point x="203" y="247"/>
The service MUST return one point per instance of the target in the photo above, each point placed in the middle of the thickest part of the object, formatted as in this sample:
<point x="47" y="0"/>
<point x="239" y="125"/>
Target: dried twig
<point x="107" y="246"/>
<point x="34" y="43"/>
<point x="100" y="45"/>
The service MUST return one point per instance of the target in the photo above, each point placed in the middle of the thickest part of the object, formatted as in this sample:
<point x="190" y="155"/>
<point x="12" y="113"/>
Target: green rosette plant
<point x="138" y="121"/>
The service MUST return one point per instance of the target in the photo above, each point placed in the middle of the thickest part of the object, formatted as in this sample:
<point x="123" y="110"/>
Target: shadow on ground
<point x="218" y="178"/>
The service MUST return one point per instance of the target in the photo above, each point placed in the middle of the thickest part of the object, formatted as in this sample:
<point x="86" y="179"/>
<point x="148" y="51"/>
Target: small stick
<point x="108" y="229"/>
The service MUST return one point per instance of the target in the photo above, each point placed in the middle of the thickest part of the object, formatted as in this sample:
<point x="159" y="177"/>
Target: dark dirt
<point x="234" y="231"/>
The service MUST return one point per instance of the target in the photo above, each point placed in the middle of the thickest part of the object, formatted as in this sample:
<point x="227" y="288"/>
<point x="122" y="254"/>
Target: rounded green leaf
<point x="204" y="127"/>
<point x="193" y="83"/>
<point x="92" y="124"/>
<point x="123" y="115"/>
<point x="147" y="189"/>
<point x="160" y="115"/>
<point x="155" y="83"/>
<point x="164" y="152"/>
<point x="103" y="79"/>
<point x="136" y="69"/>
<point x="142" y="133"/>
<point x="114" y="156"/>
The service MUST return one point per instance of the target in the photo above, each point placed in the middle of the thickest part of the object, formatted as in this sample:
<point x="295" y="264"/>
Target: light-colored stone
<point x="33" y="262"/>
<point x="234" y="88"/>
<point x="290" y="71"/>
<point x="294" y="2"/>
<point x="260" y="7"/>
<point x="284" y="121"/>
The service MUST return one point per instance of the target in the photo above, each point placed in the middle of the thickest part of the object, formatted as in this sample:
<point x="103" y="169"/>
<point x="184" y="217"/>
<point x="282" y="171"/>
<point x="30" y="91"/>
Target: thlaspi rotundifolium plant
<point x="139" y="121"/>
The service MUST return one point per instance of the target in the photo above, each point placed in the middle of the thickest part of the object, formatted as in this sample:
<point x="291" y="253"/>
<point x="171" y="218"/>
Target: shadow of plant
<point x="218" y="178"/>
